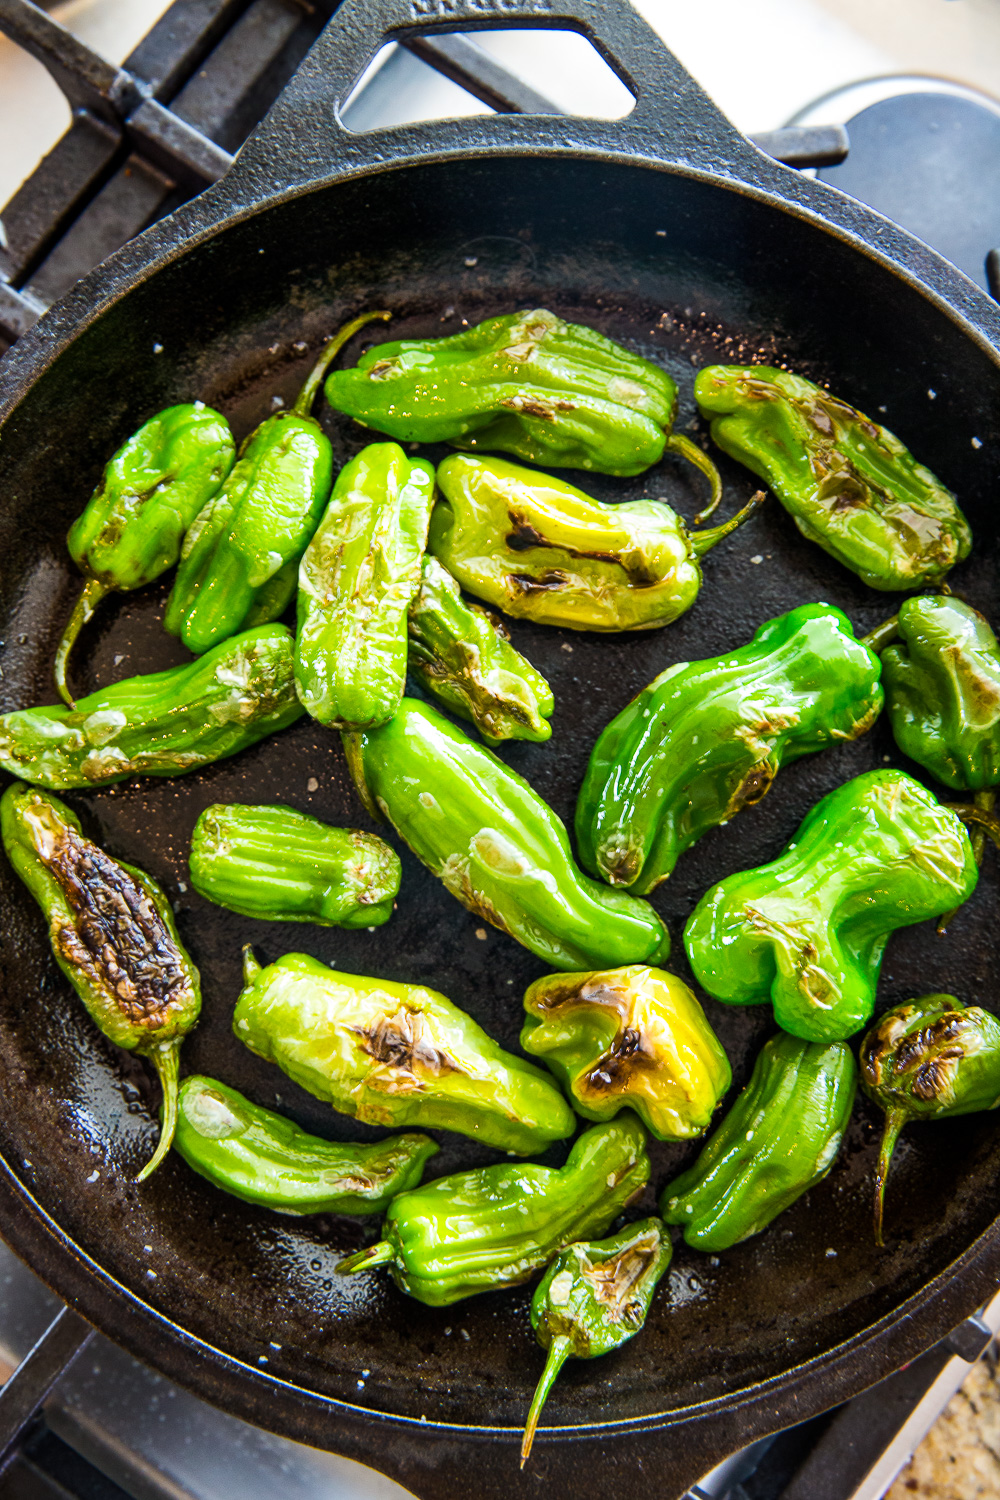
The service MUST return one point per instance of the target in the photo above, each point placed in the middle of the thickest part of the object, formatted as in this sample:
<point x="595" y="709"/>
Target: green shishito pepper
<point x="928" y="1059"/>
<point x="395" y="1054"/>
<point x="163" y="724"/>
<point x="498" y="848"/>
<point x="135" y="521"/>
<point x="779" y="1139"/>
<point x="261" y="1157"/>
<point x="113" y="936"/>
<point x="356" y="582"/>
<point x="462" y="655"/>
<point x="593" y="1298"/>
<point x="284" y="866"/>
<point x="541" y="550"/>
<point x="633" y="1036"/>
<point x="706" y="739"/>
<point x="482" y="1230"/>
<point x="848" y="484"/>
<point x="808" y="931"/>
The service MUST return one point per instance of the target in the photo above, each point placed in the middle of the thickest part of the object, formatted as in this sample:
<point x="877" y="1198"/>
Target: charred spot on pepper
<point x="400" y="1042"/>
<point x="552" y="579"/>
<point x="612" y="1280"/>
<point x="933" y="1078"/>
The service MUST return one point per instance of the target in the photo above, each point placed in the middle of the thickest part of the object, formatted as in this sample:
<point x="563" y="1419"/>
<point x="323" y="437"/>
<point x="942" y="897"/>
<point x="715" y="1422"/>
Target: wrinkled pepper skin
<point x="541" y="550"/>
<point x="395" y="1054"/>
<point x="357" y="580"/>
<point x="163" y="724"/>
<point x="498" y="848"/>
<point x="284" y="866"/>
<point x="808" y="931"/>
<point x="261" y="1157"/>
<point x="707" y="738"/>
<point x="635" y="1036"/>
<point x="779" y="1139"/>
<point x="848" y="484"/>
<point x="112" y="934"/>
<point x="482" y="1230"/>
<point x="462" y="656"/>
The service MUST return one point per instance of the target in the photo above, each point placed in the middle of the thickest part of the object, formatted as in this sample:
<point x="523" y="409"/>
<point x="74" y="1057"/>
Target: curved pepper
<point x="808" y="931"/>
<point x="284" y="866"/>
<point x="163" y="724"/>
<point x="356" y="582"/>
<point x="779" y="1139"/>
<point x="482" y="1230"/>
<point x="496" y="845"/>
<point x="848" y="484"/>
<point x="634" y="1036"/>
<point x="395" y="1054"/>
<point x="541" y="550"/>
<point x="261" y="1157"/>
<point x="113" y="936"/>
<point x="706" y="739"/>
<point x="135" y="521"/>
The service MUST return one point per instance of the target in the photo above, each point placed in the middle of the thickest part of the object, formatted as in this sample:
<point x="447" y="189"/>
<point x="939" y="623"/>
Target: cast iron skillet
<point x="666" y="230"/>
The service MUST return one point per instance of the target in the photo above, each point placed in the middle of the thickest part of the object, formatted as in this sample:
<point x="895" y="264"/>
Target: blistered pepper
<point x="541" y="550"/>
<point x="263" y="1158"/>
<point x="135" y="521"/>
<point x="395" y="1054"/>
<point x="779" y="1139"/>
<point x="848" y="484"/>
<point x="356" y="582"/>
<point x="707" y="738"/>
<point x="498" y="848"/>
<point x="113" y="936"/>
<point x="284" y="866"/>
<point x="163" y="724"/>
<point x="462" y="655"/>
<point x="808" y="931"/>
<point x="482" y="1230"/>
<point x="635" y="1036"/>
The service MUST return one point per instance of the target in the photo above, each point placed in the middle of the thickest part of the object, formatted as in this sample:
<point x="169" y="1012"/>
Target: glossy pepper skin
<point x="498" y="848"/>
<point x="284" y="866"/>
<point x="634" y="1036"/>
<point x="135" y="521"/>
<point x="779" y="1139"/>
<point x="707" y="738"/>
<point x="482" y="1230"/>
<point x="163" y="724"/>
<point x="541" y="550"/>
<point x="112" y="934"/>
<point x="261" y="1157"/>
<point x="395" y="1054"/>
<point x="808" y="931"/>
<point x="356" y="582"/>
<point x="462" y="656"/>
<point x="928" y="1059"/>
<point x="848" y="484"/>
<point x="594" y="1298"/>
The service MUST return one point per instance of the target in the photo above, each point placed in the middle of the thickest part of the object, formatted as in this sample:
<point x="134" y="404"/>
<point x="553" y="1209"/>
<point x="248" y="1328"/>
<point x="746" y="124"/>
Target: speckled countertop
<point x="959" y="1458"/>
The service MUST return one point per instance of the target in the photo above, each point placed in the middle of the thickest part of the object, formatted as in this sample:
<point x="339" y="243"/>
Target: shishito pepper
<point x="462" y="655"/>
<point x="263" y="1158"/>
<point x="113" y="936"/>
<point x="707" y="738"/>
<point x="163" y="724"/>
<point x="395" y="1054"/>
<point x="496" y="845"/>
<point x="356" y="582"/>
<point x="135" y="521"/>
<point x="592" y="1299"/>
<point x="848" y="484"/>
<point x="541" y="550"/>
<point x="808" y="931"/>
<point x="482" y="1230"/>
<point x="779" y="1139"/>
<point x="634" y="1036"/>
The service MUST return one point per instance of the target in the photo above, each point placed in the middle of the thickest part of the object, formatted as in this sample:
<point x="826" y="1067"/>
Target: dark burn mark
<point x="753" y="788"/>
<point x="613" y="1281"/>
<point x="546" y="412"/>
<point x="399" y="1042"/>
<point x="523" y="537"/>
<point x="926" y="1059"/>
<point x="552" y="579"/>
<point x="628" y="1054"/>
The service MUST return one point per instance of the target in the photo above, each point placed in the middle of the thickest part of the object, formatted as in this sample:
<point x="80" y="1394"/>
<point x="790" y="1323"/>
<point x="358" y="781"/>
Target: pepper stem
<point x="166" y="1061"/>
<point x="351" y="741"/>
<point x="701" y="461"/>
<point x="93" y="592"/>
<point x="895" y="1119"/>
<point x="363" y="1260"/>
<point x="983" y="803"/>
<point x="559" y="1351"/>
<point x="981" y="816"/>
<point x="307" y="395"/>
<point x="251" y="965"/>
<point x="883" y="635"/>
<point x="706" y="540"/>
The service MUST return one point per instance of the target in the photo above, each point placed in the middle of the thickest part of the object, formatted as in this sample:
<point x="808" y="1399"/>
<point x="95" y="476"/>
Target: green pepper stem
<point x="559" y="1351"/>
<point x="883" y="635"/>
<point x="351" y="741"/>
<point x="363" y="1260"/>
<point x="251" y="965"/>
<point x="166" y="1061"/>
<point x="93" y="592"/>
<point x="895" y="1119"/>
<point x="705" y="540"/>
<point x="980" y="816"/>
<point x="307" y="395"/>
<point x="701" y="461"/>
